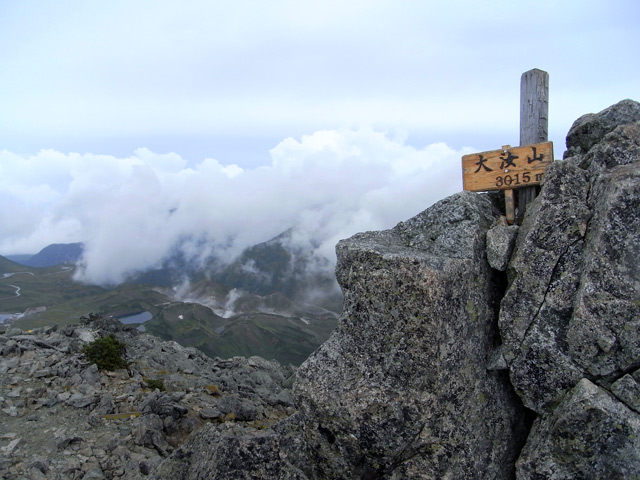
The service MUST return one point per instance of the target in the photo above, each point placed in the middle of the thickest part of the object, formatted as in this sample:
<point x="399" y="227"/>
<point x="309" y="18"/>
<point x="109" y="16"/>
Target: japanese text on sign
<point x="507" y="168"/>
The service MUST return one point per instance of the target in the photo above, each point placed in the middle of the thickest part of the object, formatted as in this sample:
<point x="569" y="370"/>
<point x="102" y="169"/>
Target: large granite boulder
<point x="402" y="389"/>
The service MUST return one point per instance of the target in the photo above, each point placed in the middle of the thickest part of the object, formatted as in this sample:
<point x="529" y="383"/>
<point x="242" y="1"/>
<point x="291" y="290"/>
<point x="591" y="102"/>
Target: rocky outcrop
<point x="402" y="375"/>
<point x="572" y="307"/>
<point x="402" y="389"/>
<point x="571" y="316"/>
<point x="590" y="434"/>
<point x="62" y="418"/>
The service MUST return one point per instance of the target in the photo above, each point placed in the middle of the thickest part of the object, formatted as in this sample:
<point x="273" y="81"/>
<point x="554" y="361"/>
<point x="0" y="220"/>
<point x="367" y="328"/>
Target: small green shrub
<point x="153" y="384"/>
<point x="106" y="353"/>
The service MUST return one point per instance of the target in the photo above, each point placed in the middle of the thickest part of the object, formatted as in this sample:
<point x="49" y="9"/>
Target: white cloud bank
<point x="133" y="212"/>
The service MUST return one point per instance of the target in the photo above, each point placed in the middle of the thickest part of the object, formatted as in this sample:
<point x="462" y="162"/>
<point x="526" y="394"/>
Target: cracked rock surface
<point x="402" y="389"/>
<point x="571" y="313"/>
<point x="572" y="309"/>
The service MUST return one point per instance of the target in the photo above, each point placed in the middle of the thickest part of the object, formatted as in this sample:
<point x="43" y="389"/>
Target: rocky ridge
<point x="62" y="418"/>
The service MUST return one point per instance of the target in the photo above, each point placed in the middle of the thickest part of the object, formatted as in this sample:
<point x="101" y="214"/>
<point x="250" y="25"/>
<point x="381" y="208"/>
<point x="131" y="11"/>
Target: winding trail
<point x="17" y="292"/>
<point x="11" y="274"/>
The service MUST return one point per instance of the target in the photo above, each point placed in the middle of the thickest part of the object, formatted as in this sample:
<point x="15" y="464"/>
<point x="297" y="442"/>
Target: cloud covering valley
<point x="134" y="212"/>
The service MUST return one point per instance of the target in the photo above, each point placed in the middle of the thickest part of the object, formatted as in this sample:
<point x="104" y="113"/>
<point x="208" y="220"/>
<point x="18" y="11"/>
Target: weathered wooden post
<point x="518" y="168"/>
<point x="534" y="121"/>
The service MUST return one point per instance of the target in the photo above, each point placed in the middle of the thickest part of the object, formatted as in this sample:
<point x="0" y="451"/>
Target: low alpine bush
<point x="106" y="353"/>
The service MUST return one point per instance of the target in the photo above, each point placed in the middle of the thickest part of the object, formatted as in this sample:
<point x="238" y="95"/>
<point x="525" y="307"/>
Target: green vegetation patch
<point x="154" y="383"/>
<point x="106" y="353"/>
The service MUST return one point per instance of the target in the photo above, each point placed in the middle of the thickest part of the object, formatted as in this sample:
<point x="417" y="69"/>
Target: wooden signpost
<point x="522" y="167"/>
<point x="507" y="168"/>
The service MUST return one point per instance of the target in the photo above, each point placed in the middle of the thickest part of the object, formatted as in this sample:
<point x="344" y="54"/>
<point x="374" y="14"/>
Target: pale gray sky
<point x="213" y="79"/>
<point x="85" y="85"/>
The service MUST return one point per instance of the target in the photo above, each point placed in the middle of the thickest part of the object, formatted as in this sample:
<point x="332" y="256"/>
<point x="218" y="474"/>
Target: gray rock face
<point x="627" y="389"/>
<point x="230" y="453"/>
<point x="572" y="309"/>
<point x="501" y="239"/>
<point x="401" y="390"/>
<point x="591" y="128"/>
<point x="588" y="435"/>
<point x="571" y="312"/>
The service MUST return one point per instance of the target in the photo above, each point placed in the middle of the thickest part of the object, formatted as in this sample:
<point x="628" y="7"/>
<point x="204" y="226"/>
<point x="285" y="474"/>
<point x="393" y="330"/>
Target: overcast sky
<point x="134" y="125"/>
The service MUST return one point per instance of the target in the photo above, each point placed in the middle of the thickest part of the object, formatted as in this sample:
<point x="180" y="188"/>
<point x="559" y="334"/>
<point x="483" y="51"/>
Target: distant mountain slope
<point x="9" y="266"/>
<point x="20" y="258"/>
<point x="275" y="300"/>
<point x="278" y="265"/>
<point x="289" y="339"/>
<point x="51" y="255"/>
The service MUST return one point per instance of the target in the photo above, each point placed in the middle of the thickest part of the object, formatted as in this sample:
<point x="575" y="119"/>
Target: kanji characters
<point x="481" y="164"/>
<point x="507" y="159"/>
<point x="536" y="158"/>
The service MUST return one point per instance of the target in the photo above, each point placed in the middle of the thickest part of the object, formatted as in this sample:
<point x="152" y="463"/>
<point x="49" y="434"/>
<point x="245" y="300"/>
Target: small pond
<point x="6" y="316"/>
<point x="139" y="317"/>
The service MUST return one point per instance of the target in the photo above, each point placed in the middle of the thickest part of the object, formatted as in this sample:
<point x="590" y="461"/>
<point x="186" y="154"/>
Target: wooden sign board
<point x="506" y="169"/>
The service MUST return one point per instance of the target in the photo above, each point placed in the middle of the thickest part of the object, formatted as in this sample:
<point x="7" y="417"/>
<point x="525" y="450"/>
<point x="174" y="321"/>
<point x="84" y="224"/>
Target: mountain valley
<point x="283" y="315"/>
